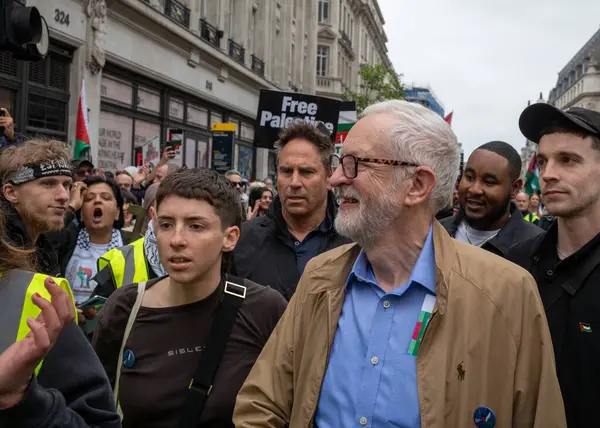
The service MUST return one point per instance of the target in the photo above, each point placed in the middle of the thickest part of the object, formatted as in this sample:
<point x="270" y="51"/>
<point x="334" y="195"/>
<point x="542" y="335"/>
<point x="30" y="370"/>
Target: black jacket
<point x="570" y="293"/>
<point x="265" y="253"/>
<point x="71" y="390"/>
<point x="45" y="252"/>
<point x="516" y="230"/>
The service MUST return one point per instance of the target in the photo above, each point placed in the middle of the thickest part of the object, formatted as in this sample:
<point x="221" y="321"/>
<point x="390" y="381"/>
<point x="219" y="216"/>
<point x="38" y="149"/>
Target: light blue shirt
<point x="371" y="380"/>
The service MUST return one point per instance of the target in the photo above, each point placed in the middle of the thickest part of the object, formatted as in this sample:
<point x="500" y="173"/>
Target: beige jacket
<point x="488" y="320"/>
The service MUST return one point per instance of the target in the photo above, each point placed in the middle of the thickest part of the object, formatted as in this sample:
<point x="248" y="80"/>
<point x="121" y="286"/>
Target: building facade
<point x="578" y="83"/>
<point x="425" y="96"/>
<point x="154" y="65"/>
<point x="350" y="34"/>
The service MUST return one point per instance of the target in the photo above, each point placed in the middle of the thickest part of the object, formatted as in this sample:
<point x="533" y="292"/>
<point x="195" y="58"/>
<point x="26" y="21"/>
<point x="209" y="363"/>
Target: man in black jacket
<point x="274" y="249"/>
<point x="565" y="261"/>
<point x="487" y="217"/>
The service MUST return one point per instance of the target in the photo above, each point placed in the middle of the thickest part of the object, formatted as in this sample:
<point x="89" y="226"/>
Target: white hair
<point x="422" y="137"/>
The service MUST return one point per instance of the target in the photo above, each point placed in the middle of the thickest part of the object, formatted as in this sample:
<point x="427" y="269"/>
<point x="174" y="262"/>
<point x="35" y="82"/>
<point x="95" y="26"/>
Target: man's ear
<point x="423" y="181"/>
<point x="230" y="238"/>
<point x="10" y="193"/>
<point x="516" y="188"/>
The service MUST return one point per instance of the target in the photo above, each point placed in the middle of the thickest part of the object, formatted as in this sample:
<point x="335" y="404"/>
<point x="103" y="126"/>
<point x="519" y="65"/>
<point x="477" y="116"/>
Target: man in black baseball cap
<point x="82" y="168"/>
<point x="565" y="261"/>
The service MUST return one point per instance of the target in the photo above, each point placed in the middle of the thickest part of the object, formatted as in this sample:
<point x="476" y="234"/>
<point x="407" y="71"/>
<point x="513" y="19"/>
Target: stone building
<point x="154" y="65"/>
<point x="350" y="34"/>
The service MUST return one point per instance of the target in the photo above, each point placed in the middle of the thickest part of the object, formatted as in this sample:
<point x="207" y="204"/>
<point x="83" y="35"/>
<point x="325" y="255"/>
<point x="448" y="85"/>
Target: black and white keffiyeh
<point x="151" y="251"/>
<point x="83" y="240"/>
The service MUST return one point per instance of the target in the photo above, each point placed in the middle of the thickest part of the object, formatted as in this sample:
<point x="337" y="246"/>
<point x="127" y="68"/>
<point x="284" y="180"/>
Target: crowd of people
<point x="374" y="288"/>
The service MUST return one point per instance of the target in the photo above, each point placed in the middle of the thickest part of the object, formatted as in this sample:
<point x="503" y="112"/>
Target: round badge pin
<point x="128" y="358"/>
<point x="484" y="417"/>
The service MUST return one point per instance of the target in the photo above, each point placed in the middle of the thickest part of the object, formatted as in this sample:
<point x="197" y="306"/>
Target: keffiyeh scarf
<point x="83" y="240"/>
<point x="151" y="251"/>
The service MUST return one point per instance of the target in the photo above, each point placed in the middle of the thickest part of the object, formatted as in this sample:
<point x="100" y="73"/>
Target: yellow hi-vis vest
<point x="531" y="218"/>
<point x="17" y="287"/>
<point x="127" y="264"/>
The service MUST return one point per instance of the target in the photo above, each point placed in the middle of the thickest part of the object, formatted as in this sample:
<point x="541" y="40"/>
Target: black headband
<point x="57" y="167"/>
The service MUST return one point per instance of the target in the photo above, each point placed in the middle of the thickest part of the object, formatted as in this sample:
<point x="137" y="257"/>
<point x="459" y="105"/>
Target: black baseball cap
<point x="81" y="162"/>
<point x="537" y="117"/>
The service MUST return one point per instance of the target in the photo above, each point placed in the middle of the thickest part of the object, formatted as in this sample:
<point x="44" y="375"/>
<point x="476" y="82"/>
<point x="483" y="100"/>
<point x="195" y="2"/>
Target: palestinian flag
<point x="532" y="177"/>
<point x="448" y="119"/>
<point x="342" y="132"/>
<point x="82" y="135"/>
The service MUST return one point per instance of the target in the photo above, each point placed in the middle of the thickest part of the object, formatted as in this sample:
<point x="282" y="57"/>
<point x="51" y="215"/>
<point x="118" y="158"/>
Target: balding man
<point x="407" y="327"/>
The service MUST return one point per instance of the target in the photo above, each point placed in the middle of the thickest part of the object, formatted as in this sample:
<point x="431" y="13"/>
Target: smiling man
<point x="407" y="327"/>
<point x="37" y="197"/>
<point x="487" y="217"/>
<point x="565" y="261"/>
<point x="275" y="248"/>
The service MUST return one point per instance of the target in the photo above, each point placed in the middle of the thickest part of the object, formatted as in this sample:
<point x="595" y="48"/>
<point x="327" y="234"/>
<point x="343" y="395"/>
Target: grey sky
<point x="485" y="59"/>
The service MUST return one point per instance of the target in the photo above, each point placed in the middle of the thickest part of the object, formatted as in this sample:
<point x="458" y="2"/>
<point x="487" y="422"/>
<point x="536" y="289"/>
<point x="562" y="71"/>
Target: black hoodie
<point x="265" y="252"/>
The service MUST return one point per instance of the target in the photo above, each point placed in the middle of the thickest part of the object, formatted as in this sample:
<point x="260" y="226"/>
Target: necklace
<point x="560" y="255"/>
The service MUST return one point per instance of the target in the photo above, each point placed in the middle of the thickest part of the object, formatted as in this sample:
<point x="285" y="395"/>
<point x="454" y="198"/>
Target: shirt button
<point x="363" y="421"/>
<point x="550" y="272"/>
<point x="374" y="360"/>
<point x="386" y="304"/>
<point x="297" y="243"/>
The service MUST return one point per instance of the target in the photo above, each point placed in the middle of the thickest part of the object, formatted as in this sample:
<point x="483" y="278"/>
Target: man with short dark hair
<point x="565" y="261"/>
<point x="274" y="249"/>
<point x="487" y="218"/>
<point x="82" y="168"/>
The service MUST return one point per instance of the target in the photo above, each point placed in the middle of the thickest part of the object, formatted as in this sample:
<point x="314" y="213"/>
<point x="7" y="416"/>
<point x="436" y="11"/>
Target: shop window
<point x="7" y="100"/>
<point x="115" y="145"/>
<point x="52" y="72"/>
<point x="215" y="118"/>
<point x="190" y="152"/>
<point x="202" y="154"/>
<point x="46" y="113"/>
<point x="8" y="65"/>
<point x="197" y="115"/>
<point x="148" y="99"/>
<point x="116" y="90"/>
<point x="176" y="108"/>
<point x="246" y="161"/>
<point x="247" y="132"/>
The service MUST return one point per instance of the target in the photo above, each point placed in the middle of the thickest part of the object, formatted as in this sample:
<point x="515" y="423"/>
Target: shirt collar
<point x="423" y="272"/>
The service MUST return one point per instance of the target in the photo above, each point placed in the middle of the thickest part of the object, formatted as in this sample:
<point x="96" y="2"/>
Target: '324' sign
<point x="61" y="17"/>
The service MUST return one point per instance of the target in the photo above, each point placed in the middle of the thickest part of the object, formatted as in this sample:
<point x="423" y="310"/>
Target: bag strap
<point x="202" y="383"/>
<point x="130" y="322"/>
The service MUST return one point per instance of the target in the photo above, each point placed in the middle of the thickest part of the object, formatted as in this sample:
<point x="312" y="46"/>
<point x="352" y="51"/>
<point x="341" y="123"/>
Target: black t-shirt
<point x="570" y="292"/>
<point x="167" y="344"/>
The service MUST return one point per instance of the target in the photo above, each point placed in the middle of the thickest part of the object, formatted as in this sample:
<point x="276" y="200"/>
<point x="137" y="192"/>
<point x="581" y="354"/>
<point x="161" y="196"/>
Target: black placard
<point x="222" y="151"/>
<point x="277" y="110"/>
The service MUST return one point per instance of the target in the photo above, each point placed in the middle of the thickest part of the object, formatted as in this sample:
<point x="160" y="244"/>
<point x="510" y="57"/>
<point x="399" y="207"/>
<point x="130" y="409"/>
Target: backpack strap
<point x="202" y="383"/>
<point x="130" y="322"/>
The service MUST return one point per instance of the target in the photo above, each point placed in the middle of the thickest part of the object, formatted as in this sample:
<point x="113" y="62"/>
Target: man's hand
<point x="8" y="124"/>
<point x="140" y="176"/>
<point x="78" y="192"/>
<point x="168" y="154"/>
<point x="18" y="362"/>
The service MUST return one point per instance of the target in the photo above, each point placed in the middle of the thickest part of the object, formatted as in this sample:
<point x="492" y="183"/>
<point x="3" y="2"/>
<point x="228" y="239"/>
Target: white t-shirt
<point x="466" y="233"/>
<point x="82" y="268"/>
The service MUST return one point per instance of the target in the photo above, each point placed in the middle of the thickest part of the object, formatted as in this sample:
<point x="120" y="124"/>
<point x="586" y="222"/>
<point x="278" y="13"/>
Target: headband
<point x="30" y="172"/>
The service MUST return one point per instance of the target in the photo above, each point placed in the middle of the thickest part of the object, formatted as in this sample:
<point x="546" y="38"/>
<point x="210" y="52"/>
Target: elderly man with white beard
<point x="407" y="327"/>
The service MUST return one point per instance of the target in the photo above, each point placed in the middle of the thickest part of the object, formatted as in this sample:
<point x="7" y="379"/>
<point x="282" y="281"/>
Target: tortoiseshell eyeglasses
<point x="350" y="164"/>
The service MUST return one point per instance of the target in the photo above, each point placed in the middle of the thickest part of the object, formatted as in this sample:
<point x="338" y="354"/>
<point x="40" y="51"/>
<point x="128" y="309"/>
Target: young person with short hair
<point x="175" y="317"/>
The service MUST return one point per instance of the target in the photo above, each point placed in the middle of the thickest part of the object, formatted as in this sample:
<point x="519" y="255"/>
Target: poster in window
<point x="147" y="136"/>
<point x="175" y="142"/>
<point x="114" y="141"/>
<point x="246" y="161"/>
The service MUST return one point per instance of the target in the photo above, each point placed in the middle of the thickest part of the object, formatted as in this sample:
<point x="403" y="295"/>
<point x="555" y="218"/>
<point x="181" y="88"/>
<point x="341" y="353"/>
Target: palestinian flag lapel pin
<point x="585" y="327"/>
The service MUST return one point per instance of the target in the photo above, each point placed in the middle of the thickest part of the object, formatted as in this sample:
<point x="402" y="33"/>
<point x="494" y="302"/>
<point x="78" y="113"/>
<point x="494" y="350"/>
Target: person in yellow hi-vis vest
<point x="50" y="376"/>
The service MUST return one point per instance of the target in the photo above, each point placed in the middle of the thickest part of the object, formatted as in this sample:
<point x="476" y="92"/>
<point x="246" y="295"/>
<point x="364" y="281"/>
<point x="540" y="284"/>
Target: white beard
<point x="372" y="220"/>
